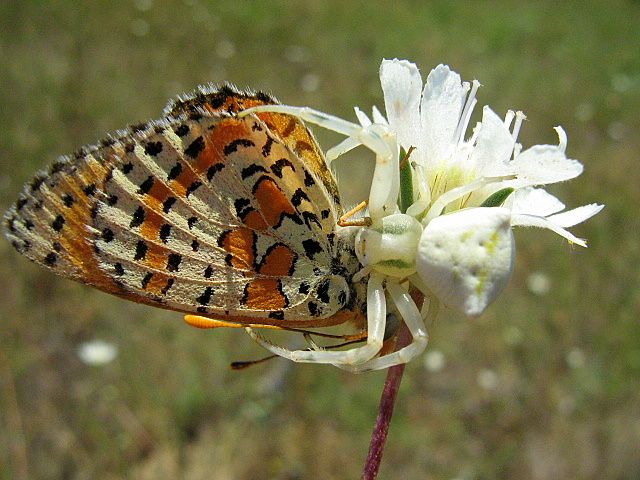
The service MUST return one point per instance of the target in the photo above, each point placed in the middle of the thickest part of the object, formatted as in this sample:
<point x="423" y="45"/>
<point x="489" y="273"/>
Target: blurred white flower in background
<point x="538" y="283"/>
<point x="97" y="352"/>
<point x="487" y="379"/>
<point x="434" y="360"/>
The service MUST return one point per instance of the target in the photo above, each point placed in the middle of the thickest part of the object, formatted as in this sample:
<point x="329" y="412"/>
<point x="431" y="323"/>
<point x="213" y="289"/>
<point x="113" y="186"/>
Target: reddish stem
<point x="387" y="402"/>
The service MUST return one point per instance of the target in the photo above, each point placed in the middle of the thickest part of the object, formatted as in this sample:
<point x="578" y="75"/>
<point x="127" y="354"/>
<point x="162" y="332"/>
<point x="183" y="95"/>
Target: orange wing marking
<point x="265" y="294"/>
<point x="240" y="243"/>
<point x="273" y="203"/>
<point x="278" y="261"/>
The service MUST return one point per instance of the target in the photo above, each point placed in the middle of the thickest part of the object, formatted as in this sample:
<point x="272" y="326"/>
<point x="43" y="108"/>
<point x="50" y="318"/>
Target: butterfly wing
<point x="199" y="212"/>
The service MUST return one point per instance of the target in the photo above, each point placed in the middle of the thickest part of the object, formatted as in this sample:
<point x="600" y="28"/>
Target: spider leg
<point x="330" y="122"/>
<point x="343" y="147"/>
<point x="376" y="137"/>
<point x="376" y="319"/>
<point x="413" y="319"/>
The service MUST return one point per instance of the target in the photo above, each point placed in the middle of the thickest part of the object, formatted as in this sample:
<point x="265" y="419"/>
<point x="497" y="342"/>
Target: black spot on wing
<point x="182" y="130"/>
<point x="193" y="187"/>
<point x="58" y="223"/>
<point x="280" y="165"/>
<point x="164" y="232"/>
<point x="168" y="285"/>
<point x="146" y="185"/>
<point x="37" y="182"/>
<point x="233" y="146"/>
<point x="89" y="190"/>
<point x="213" y="169"/>
<point x="153" y="148"/>
<point x="146" y="280"/>
<point x="137" y="218"/>
<point x="141" y="250"/>
<point x="298" y="196"/>
<point x="311" y="247"/>
<point x="50" y="259"/>
<point x="195" y="147"/>
<point x="173" y="262"/>
<point x="266" y="148"/>
<point x="107" y="235"/>
<point x="68" y="200"/>
<point x="323" y="291"/>
<point x="310" y="217"/>
<point x="242" y="206"/>
<point x="168" y="203"/>
<point x="175" y="171"/>
<point x="308" y="180"/>
<point x="304" y="288"/>
<point x="138" y="127"/>
<point x="205" y="298"/>
<point x="251" y="170"/>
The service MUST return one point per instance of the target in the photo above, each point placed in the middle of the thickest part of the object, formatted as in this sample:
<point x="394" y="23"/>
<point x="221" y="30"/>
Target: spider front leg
<point x="377" y="137"/>
<point x="412" y="319"/>
<point x="376" y="320"/>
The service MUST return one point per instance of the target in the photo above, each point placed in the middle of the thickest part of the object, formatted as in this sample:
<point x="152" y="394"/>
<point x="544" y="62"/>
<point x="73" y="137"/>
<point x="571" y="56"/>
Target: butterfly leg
<point x="376" y="320"/>
<point x="413" y="319"/>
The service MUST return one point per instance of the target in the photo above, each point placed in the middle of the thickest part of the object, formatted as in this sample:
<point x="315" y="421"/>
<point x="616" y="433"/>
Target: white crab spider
<point x="388" y="247"/>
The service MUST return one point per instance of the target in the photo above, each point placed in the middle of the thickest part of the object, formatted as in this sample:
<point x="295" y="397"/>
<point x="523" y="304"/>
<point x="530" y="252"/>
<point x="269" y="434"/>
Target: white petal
<point x="544" y="164"/>
<point x="402" y="85"/>
<point x="442" y="101"/>
<point x="378" y="117"/>
<point x="362" y="117"/>
<point x="534" y="201"/>
<point x="466" y="258"/>
<point x="577" y="215"/>
<point x="521" y="220"/>
<point x="494" y="145"/>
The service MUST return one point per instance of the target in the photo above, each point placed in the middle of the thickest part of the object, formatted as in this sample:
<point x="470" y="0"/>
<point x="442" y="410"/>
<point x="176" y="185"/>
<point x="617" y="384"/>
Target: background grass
<point x="540" y="387"/>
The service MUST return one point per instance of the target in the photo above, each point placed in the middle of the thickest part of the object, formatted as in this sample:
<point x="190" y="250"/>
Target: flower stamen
<point x="458" y="136"/>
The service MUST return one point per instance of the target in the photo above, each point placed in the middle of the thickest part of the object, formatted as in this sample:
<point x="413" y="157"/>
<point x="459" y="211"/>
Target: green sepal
<point x="406" y="183"/>
<point x="497" y="199"/>
<point x="395" y="264"/>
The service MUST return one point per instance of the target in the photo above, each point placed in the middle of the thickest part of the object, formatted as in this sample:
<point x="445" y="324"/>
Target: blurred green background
<point x="542" y="386"/>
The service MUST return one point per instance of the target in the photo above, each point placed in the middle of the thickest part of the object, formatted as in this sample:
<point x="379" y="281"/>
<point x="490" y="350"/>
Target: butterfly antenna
<point x="241" y="365"/>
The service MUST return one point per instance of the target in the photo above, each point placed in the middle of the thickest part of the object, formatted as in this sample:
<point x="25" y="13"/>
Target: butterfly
<point x="224" y="209"/>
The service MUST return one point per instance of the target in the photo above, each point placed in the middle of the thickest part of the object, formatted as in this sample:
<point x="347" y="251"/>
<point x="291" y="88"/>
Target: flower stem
<point x="387" y="402"/>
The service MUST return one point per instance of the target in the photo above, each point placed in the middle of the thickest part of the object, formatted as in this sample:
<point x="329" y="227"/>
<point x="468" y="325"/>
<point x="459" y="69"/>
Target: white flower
<point x="456" y="175"/>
